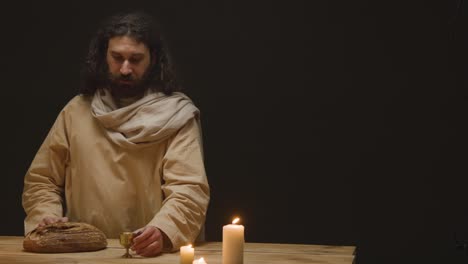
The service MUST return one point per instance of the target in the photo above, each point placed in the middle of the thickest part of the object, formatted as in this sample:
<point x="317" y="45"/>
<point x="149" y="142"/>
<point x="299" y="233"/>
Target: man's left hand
<point x="148" y="241"/>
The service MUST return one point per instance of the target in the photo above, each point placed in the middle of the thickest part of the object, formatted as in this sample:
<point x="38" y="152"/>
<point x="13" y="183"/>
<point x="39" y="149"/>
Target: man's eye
<point x="134" y="60"/>
<point x="118" y="58"/>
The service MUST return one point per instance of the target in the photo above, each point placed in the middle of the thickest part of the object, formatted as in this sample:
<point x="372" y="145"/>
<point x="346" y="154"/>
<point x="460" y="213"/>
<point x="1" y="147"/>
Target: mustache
<point x="125" y="78"/>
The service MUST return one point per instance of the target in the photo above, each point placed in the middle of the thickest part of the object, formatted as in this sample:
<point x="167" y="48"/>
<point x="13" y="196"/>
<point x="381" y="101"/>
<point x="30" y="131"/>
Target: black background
<point x="324" y="122"/>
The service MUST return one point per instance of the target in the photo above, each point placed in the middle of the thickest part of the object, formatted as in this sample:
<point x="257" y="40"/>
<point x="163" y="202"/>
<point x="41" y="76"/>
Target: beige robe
<point x="114" y="186"/>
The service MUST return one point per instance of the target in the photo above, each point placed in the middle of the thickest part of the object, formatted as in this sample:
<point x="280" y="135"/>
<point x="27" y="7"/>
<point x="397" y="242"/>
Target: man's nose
<point x="125" y="69"/>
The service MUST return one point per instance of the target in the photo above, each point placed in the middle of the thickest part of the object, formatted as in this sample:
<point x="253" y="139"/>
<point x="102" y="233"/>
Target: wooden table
<point x="11" y="251"/>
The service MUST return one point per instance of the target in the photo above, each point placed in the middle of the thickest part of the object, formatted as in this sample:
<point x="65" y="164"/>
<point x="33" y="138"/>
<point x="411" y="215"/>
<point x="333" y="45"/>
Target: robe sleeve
<point x="45" y="178"/>
<point x="185" y="187"/>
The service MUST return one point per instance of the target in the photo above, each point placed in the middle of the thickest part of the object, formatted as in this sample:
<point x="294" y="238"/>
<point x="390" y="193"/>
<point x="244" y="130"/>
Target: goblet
<point x="126" y="240"/>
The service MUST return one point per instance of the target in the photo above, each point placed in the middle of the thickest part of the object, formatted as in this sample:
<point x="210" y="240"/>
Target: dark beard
<point x="135" y="88"/>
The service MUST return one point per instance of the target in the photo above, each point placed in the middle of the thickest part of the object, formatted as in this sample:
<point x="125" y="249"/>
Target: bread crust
<point x="65" y="237"/>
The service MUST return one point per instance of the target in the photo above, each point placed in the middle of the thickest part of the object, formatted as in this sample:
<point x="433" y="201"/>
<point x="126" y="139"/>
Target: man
<point x="125" y="154"/>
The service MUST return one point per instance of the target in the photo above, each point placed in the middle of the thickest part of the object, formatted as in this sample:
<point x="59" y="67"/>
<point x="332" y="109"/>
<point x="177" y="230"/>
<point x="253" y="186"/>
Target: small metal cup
<point x="126" y="240"/>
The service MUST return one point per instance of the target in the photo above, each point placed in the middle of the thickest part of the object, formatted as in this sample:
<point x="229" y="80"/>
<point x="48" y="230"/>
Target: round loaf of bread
<point x="65" y="237"/>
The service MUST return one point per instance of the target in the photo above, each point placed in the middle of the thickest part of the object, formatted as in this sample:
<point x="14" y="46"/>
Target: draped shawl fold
<point x="151" y="119"/>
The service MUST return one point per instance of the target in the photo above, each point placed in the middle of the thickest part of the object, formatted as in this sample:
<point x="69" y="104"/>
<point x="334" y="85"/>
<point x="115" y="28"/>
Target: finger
<point x="151" y="250"/>
<point x="49" y="220"/>
<point x="143" y="236"/>
<point x="137" y="237"/>
<point x="45" y="220"/>
<point x="148" y="235"/>
<point x="41" y="223"/>
<point x="156" y="237"/>
<point x="138" y="232"/>
<point x="135" y="234"/>
<point x="63" y="219"/>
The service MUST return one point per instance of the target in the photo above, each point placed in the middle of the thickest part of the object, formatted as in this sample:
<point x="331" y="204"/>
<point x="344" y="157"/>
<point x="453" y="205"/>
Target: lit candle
<point x="186" y="254"/>
<point x="233" y="243"/>
<point x="199" y="261"/>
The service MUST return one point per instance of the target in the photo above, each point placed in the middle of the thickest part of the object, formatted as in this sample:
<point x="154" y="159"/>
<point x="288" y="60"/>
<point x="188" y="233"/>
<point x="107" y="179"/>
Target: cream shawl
<point x="151" y="119"/>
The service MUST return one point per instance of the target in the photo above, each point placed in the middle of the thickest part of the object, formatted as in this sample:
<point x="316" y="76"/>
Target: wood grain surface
<point x="11" y="251"/>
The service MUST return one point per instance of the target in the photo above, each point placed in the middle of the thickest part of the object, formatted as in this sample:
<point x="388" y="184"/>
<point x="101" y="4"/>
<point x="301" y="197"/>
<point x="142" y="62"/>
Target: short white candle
<point x="199" y="261"/>
<point x="233" y="243"/>
<point x="186" y="254"/>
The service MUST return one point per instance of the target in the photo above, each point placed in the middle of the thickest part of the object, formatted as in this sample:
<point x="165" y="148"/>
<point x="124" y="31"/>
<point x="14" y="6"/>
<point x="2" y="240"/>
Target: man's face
<point x="128" y="61"/>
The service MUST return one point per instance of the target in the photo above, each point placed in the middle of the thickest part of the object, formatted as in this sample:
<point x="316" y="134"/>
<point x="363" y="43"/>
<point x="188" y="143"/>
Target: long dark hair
<point x="143" y="28"/>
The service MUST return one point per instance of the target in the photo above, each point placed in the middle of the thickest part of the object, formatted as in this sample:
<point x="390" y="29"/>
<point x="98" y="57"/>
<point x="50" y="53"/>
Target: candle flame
<point x="235" y="221"/>
<point x="201" y="260"/>
<point x="189" y="245"/>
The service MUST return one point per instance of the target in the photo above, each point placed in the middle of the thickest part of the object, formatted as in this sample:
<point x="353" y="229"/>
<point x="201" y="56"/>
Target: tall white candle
<point x="186" y="254"/>
<point x="199" y="261"/>
<point x="233" y="243"/>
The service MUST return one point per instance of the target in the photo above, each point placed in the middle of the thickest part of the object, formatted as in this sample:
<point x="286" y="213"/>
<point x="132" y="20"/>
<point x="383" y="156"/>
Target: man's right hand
<point x="52" y="219"/>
